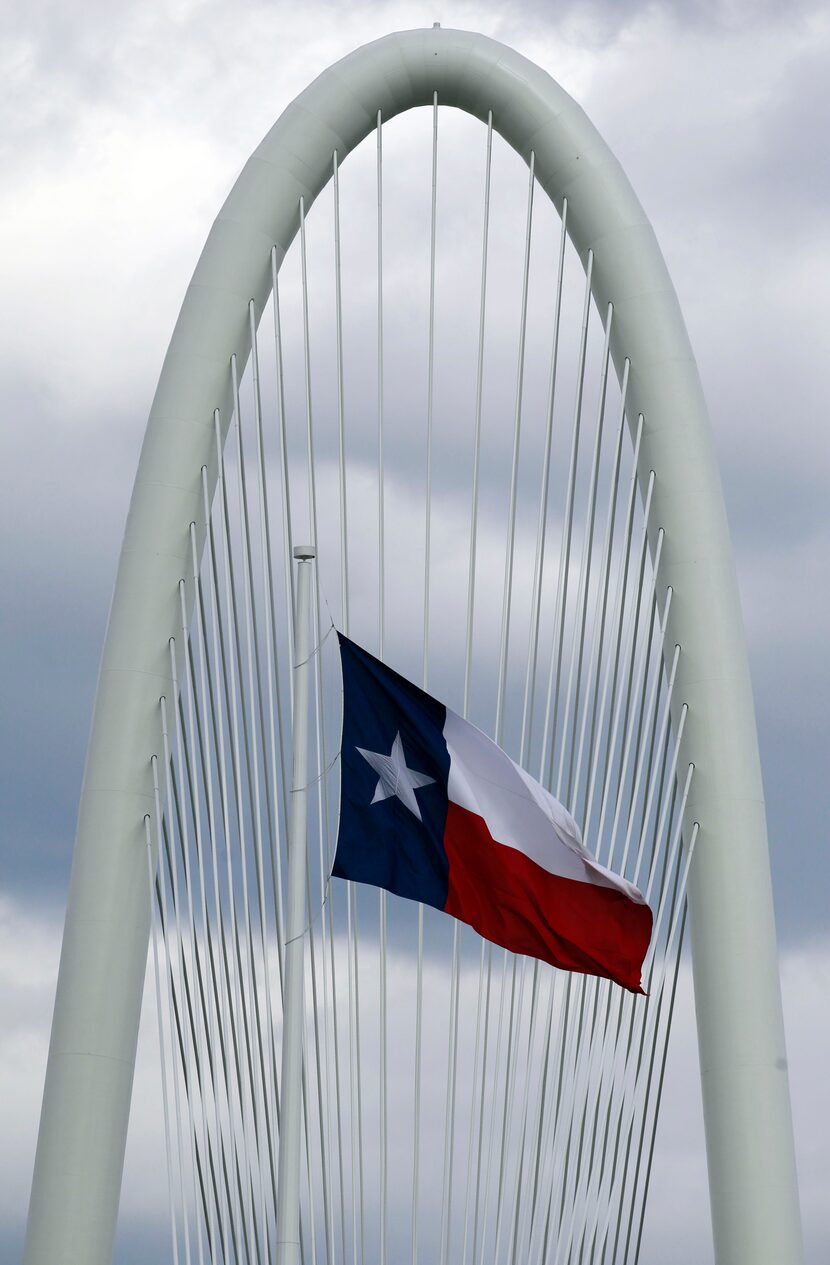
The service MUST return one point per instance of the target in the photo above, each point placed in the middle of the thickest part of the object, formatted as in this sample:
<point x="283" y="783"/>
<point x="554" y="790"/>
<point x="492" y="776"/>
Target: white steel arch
<point x="743" y="1063"/>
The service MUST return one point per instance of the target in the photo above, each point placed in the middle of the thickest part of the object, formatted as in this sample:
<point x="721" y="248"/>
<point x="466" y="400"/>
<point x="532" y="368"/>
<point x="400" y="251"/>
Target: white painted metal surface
<point x="288" y="1189"/>
<point x="743" y="1062"/>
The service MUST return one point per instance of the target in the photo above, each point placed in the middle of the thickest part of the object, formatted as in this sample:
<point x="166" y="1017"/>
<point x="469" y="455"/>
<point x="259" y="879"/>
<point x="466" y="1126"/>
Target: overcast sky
<point x="121" y="131"/>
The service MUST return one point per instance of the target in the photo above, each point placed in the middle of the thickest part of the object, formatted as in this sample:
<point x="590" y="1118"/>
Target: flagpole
<point x="288" y="1180"/>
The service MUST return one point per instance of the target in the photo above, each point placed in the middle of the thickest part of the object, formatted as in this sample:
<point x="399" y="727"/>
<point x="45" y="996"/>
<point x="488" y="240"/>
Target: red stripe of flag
<point x="516" y="903"/>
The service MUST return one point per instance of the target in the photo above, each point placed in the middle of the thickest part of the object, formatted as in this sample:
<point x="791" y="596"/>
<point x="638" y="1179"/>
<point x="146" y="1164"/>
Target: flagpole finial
<point x="304" y="552"/>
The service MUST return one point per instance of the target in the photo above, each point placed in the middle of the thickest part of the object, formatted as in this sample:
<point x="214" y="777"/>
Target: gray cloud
<point x="677" y="1219"/>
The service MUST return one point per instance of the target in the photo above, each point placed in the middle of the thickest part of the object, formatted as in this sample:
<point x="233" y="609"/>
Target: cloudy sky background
<point x="121" y="133"/>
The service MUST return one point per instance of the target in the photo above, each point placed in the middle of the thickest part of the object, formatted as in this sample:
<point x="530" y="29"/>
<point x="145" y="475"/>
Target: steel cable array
<point x="459" y="1103"/>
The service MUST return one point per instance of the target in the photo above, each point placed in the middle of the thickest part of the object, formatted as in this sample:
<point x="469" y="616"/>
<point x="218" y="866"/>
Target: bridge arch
<point x="92" y="1051"/>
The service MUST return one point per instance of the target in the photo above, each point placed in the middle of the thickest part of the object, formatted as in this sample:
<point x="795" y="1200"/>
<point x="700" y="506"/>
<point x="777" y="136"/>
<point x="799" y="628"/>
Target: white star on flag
<point x="395" y="778"/>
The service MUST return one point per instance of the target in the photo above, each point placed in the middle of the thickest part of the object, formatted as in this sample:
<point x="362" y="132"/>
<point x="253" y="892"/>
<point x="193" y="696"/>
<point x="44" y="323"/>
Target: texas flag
<point x="433" y="810"/>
